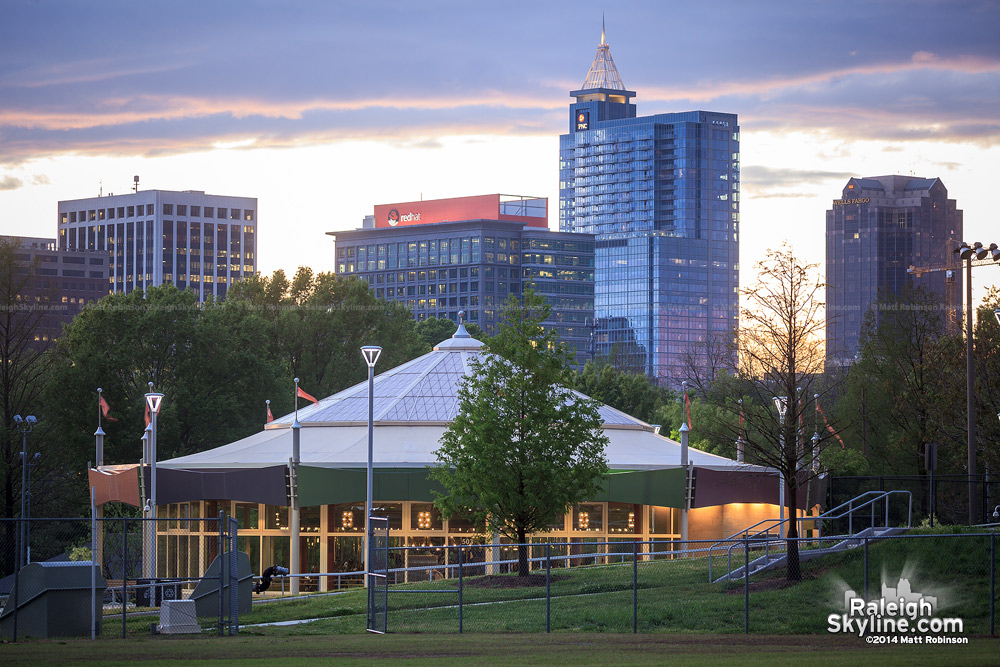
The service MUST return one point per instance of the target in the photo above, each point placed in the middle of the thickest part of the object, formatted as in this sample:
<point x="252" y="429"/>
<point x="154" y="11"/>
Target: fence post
<point x="93" y="565"/>
<point x="866" y="568"/>
<point x="635" y="587"/>
<point x="124" y="571"/>
<point x="461" y="576"/>
<point x="993" y="582"/>
<point x="746" y="585"/>
<point x="218" y="555"/>
<point x="548" y="579"/>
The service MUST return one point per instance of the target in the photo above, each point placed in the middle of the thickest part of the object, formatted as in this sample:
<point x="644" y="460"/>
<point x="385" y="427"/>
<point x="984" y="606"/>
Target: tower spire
<point x="603" y="73"/>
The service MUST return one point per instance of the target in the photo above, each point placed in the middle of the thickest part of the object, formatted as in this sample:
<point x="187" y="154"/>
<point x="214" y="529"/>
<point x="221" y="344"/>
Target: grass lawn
<point x="682" y="618"/>
<point x="673" y="596"/>
<point x="496" y="649"/>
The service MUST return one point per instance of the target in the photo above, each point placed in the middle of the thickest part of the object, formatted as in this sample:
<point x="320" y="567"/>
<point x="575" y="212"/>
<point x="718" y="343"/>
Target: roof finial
<point x="603" y="73"/>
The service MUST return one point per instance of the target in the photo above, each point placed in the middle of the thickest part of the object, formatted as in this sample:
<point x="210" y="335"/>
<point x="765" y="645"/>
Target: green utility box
<point x="54" y="600"/>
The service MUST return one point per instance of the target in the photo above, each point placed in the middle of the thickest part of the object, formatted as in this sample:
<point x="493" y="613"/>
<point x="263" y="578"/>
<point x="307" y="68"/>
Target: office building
<point x="53" y="286"/>
<point x="469" y="254"/>
<point x="876" y="231"/>
<point x="190" y="239"/>
<point x="661" y="196"/>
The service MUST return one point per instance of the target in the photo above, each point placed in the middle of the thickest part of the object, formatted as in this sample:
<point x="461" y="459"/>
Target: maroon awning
<point x="719" y="487"/>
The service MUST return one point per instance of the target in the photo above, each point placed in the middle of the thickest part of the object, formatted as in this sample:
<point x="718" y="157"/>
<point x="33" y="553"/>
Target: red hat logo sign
<point x="393" y="218"/>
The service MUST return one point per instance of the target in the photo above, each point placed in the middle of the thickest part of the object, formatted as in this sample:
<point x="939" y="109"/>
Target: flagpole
<point x="293" y="464"/>
<point x="98" y="463"/>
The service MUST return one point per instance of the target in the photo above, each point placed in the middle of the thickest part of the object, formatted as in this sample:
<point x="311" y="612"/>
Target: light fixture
<point x="424" y="520"/>
<point x="347" y="519"/>
<point x="584" y="521"/>
<point x="371" y="354"/>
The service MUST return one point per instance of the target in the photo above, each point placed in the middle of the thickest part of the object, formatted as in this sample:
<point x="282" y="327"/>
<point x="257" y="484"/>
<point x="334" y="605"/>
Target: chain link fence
<point x="637" y="586"/>
<point x="950" y="497"/>
<point x="45" y="574"/>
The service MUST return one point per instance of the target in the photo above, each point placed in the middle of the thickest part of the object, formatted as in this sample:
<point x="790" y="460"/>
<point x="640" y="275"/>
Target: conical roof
<point x="412" y="406"/>
<point x="421" y="391"/>
<point x="603" y="73"/>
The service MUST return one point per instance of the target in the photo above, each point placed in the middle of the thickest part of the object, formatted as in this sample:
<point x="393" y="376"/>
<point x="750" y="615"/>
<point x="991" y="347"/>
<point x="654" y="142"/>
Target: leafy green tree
<point x="23" y="365"/>
<point x="907" y="386"/>
<point x="987" y="355"/>
<point x="433" y="330"/>
<point x="320" y="320"/>
<point x="631" y="393"/>
<point x="211" y="363"/>
<point x="523" y="447"/>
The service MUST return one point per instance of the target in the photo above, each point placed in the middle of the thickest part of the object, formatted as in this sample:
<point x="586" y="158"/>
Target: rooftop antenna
<point x="135" y="184"/>
<point x="100" y="188"/>
<point x="602" y="30"/>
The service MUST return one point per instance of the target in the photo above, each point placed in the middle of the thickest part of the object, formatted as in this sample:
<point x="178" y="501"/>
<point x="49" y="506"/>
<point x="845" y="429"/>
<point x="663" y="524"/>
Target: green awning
<point x="327" y="486"/>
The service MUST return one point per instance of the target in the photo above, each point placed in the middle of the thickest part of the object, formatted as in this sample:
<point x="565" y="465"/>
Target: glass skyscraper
<point x="879" y="228"/>
<point x="661" y="195"/>
<point x="469" y="254"/>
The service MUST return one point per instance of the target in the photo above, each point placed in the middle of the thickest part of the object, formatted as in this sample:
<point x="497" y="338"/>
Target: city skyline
<point x="323" y="111"/>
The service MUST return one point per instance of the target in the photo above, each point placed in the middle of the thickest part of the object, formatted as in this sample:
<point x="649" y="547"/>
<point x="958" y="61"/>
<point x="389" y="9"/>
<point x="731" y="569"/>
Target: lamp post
<point x="27" y="527"/>
<point x="781" y="403"/>
<point x="24" y="425"/>
<point x="154" y="401"/>
<point x="371" y="354"/>
<point x="972" y="253"/>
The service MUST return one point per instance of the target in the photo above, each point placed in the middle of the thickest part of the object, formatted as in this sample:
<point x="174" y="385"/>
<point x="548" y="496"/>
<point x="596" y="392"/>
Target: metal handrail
<point x="829" y="514"/>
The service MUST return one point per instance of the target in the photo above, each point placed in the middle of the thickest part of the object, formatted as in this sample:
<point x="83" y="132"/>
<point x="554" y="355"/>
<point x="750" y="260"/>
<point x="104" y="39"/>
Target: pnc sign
<point x="582" y="120"/>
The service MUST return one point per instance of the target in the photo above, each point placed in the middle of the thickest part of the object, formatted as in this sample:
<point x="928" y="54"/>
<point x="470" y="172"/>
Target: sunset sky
<point x="324" y="109"/>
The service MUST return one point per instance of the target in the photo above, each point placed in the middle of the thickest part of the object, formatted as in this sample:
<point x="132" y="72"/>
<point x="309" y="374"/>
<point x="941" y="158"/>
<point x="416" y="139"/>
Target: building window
<point x="209" y="212"/>
<point x="168" y="209"/>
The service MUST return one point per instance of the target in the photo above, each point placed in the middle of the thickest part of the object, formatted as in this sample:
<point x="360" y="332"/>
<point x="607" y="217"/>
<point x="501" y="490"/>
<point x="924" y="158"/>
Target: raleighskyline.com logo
<point x="901" y="615"/>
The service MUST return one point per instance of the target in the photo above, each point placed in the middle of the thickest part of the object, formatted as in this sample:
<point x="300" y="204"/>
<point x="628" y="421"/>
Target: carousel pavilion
<point x="644" y="493"/>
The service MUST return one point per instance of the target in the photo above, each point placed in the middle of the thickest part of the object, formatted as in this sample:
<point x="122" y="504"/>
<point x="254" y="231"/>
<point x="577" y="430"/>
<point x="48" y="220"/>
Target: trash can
<point x="163" y="589"/>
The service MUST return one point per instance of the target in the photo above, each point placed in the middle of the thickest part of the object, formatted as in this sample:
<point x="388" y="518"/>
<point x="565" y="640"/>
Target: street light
<point x="972" y="253"/>
<point x="371" y="354"/>
<point x="24" y="425"/>
<point x="781" y="403"/>
<point x="27" y="528"/>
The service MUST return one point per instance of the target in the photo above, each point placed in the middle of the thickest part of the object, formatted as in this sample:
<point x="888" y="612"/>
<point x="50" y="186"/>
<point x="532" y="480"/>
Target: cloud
<point x="10" y="183"/>
<point x="40" y="179"/>
<point x="769" y="177"/>
<point x="270" y="77"/>
<point x="756" y="194"/>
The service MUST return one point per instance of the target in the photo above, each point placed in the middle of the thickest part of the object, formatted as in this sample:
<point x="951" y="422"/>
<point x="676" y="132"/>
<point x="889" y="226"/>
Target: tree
<point x="320" y="320"/>
<point x="781" y="355"/>
<point x="907" y="385"/>
<point x="631" y="393"/>
<point x="523" y="447"/>
<point x="23" y="365"/>
<point x="987" y="355"/>
<point x="433" y="330"/>
<point x="211" y="362"/>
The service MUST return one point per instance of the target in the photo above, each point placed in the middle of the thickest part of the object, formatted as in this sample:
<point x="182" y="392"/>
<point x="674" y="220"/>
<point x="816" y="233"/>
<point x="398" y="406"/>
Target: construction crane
<point x="981" y="257"/>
